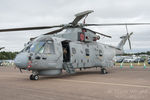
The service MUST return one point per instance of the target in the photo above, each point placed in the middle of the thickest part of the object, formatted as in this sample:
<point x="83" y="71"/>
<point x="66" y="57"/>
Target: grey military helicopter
<point x="76" y="48"/>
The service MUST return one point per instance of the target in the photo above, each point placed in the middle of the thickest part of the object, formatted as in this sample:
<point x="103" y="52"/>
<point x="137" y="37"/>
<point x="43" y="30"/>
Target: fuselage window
<point x="73" y="50"/>
<point x="87" y="52"/>
<point x="100" y="53"/>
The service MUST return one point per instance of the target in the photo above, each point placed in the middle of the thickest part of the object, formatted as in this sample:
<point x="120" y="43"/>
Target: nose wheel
<point x="104" y="71"/>
<point x="34" y="77"/>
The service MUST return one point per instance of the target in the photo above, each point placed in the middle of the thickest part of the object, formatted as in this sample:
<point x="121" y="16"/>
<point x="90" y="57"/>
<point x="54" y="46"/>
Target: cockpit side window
<point x="48" y="48"/>
<point x="52" y="49"/>
<point x="26" y="49"/>
<point x="37" y="46"/>
<point x="41" y="50"/>
<point x="41" y="47"/>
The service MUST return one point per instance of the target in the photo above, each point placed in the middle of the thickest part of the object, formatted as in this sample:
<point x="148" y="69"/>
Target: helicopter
<point x="76" y="48"/>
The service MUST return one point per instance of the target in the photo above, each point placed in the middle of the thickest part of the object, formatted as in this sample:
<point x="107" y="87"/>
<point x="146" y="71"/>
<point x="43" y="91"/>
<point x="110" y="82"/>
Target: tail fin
<point x="123" y="41"/>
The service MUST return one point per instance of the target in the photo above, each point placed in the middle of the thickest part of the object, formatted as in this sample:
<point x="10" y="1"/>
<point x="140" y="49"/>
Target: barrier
<point x="121" y="65"/>
<point x="131" y="66"/>
<point x="144" y="65"/>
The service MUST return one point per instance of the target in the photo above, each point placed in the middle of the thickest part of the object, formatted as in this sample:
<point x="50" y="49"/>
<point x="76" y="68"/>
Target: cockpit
<point x="41" y="47"/>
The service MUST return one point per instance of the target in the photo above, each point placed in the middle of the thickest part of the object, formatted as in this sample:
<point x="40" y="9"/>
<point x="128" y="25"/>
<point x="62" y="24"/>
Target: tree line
<point x="138" y="53"/>
<point x="7" y="55"/>
<point x="11" y="55"/>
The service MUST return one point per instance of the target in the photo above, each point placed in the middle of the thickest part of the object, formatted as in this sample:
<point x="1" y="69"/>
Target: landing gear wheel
<point x="31" y="77"/>
<point x="104" y="71"/>
<point x="34" y="77"/>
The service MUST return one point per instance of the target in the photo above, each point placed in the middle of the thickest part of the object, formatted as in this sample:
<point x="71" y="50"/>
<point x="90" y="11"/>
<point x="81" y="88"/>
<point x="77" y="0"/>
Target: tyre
<point x="103" y="71"/>
<point x="31" y="77"/>
<point x="36" y="77"/>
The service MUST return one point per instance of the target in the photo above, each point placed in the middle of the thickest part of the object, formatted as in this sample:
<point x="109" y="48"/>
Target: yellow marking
<point x="100" y="57"/>
<point x="104" y="83"/>
<point x="87" y="56"/>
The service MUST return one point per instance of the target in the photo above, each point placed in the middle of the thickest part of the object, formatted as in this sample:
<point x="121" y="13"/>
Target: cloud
<point x="22" y="13"/>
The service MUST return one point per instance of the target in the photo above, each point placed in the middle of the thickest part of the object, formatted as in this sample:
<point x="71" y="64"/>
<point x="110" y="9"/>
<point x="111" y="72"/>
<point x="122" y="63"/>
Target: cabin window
<point x="88" y="60"/>
<point x="87" y="45"/>
<point x="73" y="50"/>
<point x="100" y="53"/>
<point x="81" y="37"/>
<point x="87" y="52"/>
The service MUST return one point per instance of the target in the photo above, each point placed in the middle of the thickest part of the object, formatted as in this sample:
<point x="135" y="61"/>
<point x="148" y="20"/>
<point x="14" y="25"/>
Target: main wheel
<point x="104" y="71"/>
<point x="34" y="77"/>
<point x="31" y="77"/>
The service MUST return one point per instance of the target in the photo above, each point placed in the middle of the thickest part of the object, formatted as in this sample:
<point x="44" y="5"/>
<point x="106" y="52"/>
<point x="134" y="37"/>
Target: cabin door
<point x="66" y="51"/>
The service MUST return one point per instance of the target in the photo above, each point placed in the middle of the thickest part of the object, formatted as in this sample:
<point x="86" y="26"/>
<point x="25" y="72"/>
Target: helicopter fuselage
<point x="46" y="55"/>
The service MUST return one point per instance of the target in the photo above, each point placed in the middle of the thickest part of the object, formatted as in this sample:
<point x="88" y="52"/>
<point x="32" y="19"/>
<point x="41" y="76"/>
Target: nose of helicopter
<point x="21" y="60"/>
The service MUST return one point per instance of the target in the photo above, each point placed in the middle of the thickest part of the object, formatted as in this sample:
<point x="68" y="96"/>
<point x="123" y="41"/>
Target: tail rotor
<point x="128" y="36"/>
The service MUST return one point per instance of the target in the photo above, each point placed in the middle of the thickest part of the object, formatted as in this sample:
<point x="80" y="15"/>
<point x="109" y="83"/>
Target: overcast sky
<point x="22" y="13"/>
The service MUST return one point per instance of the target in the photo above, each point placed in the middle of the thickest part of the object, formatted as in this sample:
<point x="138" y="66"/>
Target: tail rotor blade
<point x="129" y="43"/>
<point x="128" y="36"/>
<point x="129" y="39"/>
<point x="131" y="33"/>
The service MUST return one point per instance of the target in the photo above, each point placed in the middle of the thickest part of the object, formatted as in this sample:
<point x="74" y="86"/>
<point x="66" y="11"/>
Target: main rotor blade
<point x="100" y="33"/>
<point x="81" y="15"/>
<point x="116" y="24"/>
<point x="52" y="32"/>
<point x="104" y="35"/>
<point x="55" y="31"/>
<point x="31" y="39"/>
<point x="29" y="28"/>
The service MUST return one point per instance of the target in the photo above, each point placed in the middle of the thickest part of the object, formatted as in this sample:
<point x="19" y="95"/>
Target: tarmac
<point x="119" y="84"/>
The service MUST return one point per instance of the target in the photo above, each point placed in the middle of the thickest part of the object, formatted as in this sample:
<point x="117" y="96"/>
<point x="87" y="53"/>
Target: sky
<point x="28" y="13"/>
